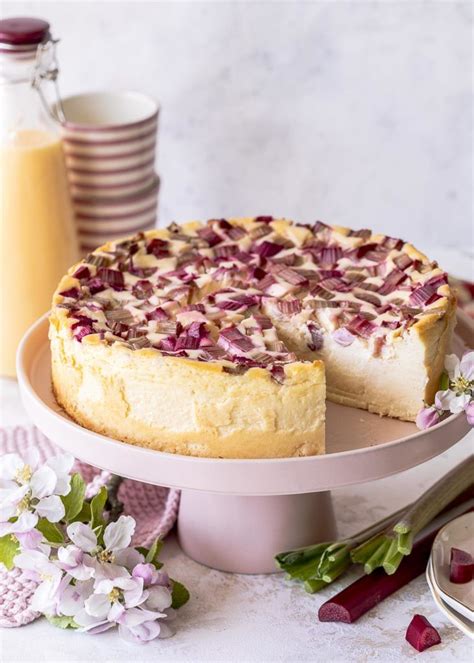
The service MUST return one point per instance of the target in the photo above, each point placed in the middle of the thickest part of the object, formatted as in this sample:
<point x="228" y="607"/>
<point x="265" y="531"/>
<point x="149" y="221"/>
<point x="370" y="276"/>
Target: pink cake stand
<point x="235" y="515"/>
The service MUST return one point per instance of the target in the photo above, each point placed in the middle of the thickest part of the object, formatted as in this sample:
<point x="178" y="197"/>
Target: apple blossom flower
<point x="458" y="395"/>
<point x="158" y="585"/>
<point x="461" y="383"/>
<point x="115" y="557"/>
<point x="47" y="574"/>
<point x="470" y="413"/>
<point x="427" y="417"/>
<point x="75" y="562"/>
<point x="26" y="488"/>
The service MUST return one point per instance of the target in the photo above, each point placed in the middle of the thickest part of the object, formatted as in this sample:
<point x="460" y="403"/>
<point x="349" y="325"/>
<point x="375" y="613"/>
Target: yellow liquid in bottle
<point x="37" y="234"/>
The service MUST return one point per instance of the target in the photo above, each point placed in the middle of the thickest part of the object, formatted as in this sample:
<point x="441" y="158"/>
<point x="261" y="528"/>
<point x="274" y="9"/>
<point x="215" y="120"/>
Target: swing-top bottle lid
<point x="22" y="33"/>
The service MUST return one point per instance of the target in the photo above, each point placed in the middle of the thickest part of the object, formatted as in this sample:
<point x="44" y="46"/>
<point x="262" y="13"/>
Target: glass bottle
<point x="37" y="234"/>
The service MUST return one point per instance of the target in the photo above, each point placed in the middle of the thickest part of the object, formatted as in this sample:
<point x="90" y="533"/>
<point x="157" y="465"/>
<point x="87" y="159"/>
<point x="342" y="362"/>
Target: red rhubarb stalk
<point x="367" y="592"/>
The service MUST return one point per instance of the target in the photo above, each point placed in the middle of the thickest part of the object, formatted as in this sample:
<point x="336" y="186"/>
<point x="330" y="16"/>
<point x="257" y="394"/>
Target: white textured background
<point x="358" y="113"/>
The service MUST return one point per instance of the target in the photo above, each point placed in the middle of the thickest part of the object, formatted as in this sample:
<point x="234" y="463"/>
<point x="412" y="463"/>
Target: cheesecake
<point x="224" y="339"/>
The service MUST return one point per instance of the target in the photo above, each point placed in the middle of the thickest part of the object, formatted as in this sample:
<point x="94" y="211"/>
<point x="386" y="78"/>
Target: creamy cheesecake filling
<point x="255" y="293"/>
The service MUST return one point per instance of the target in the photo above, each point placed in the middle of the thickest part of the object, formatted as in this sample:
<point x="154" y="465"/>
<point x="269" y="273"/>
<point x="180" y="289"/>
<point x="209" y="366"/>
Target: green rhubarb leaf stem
<point x="436" y="498"/>
<point x="314" y="585"/>
<point x="376" y="559"/>
<point x="391" y="565"/>
<point x="405" y="543"/>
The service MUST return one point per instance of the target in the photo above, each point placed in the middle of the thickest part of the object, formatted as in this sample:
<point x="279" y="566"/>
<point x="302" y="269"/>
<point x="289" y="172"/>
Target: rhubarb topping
<point x="215" y="293"/>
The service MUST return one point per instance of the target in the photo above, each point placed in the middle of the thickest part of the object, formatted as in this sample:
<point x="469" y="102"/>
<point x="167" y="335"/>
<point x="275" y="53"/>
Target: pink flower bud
<point x="427" y="417"/>
<point x="470" y="413"/>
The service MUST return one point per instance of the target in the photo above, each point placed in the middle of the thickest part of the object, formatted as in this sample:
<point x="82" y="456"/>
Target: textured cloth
<point x="155" y="509"/>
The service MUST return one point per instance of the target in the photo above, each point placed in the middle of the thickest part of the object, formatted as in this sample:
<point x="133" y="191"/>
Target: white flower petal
<point x="72" y="598"/>
<point x="141" y="633"/>
<point x="97" y="605"/>
<point x="451" y="364"/>
<point x="458" y="403"/>
<point x="83" y="536"/>
<point x="31" y="457"/>
<point x="159" y="598"/>
<point x="10" y="498"/>
<point x="10" y="464"/>
<point x="118" y="535"/>
<point x="129" y="557"/>
<point x="135" y="616"/>
<point x="51" y="508"/>
<point x="26" y="521"/>
<point x="86" y="621"/>
<point x="104" y="586"/>
<point x="42" y="482"/>
<point x="467" y="366"/>
<point x="109" y="571"/>
<point x="443" y="399"/>
<point x="62" y="465"/>
<point x="116" y="612"/>
<point x="33" y="560"/>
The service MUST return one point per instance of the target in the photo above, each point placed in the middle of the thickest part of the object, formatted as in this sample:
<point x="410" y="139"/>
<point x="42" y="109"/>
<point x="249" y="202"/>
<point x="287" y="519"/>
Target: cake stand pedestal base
<point x="242" y="534"/>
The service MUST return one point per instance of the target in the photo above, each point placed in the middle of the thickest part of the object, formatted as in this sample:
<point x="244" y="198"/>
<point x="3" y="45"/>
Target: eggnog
<point x="37" y="235"/>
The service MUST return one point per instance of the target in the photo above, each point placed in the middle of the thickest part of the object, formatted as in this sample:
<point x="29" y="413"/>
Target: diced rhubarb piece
<point x="112" y="277"/>
<point x="402" y="261"/>
<point x="364" y="233"/>
<point x="317" y="338"/>
<point x="82" y="272"/>
<point x="264" y="219"/>
<point x="423" y="296"/>
<point x="330" y="255"/>
<point x="391" y="281"/>
<point x="158" y="247"/>
<point x="268" y="249"/>
<point x="421" y="634"/>
<point x="289" y="275"/>
<point x="461" y="566"/>
<point x="209" y="236"/>
<point x="361" y="326"/>
<point x="231" y="340"/>
<point x="157" y="314"/>
<point x="368" y="297"/>
<point x="289" y="307"/>
<point x="72" y="293"/>
<point x="226" y="251"/>
<point x="392" y="243"/>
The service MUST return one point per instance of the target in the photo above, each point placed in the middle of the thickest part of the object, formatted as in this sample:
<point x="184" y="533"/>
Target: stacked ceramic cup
<point x="110" y="146"/>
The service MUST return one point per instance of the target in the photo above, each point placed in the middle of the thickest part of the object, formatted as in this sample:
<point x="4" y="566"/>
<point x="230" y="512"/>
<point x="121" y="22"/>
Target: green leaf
<point x="97" y="507"/>
<point x="179" y="594"/>
<point x="62" y="622"/>
<point x="154" y="552"/>
<point x="9" y="548"/>
<point x="84" y="515"/>
<point x="74" y="500"/>
<point x="444" y="381"/>
<point x="50" y="531"/>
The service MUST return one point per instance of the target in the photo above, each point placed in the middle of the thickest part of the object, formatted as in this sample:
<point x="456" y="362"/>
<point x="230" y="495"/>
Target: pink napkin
<point x="155" y="509"/>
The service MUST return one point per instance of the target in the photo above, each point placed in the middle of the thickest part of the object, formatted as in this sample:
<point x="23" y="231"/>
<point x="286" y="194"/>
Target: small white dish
<point x="459" y="533"/>
<point x="462" y="622"/>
